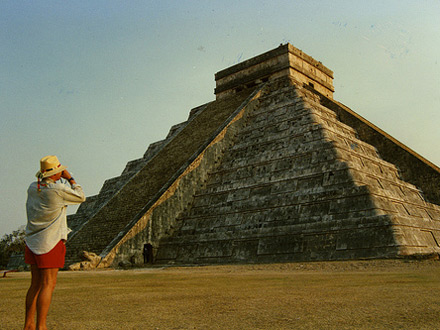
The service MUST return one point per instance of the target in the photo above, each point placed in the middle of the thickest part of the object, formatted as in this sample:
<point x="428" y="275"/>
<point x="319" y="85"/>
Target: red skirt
<point x="52" y="259"/>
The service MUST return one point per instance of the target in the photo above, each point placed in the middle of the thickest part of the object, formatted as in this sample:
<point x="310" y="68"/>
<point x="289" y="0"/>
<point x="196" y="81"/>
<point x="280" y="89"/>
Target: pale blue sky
<point x="95" y="82"/>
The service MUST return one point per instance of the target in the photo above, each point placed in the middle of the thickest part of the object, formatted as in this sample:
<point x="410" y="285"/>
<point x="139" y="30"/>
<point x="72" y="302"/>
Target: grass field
<point x="322" y="295"/>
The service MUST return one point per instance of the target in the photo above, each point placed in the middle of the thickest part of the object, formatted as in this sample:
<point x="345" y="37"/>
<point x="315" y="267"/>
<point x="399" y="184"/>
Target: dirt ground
<point x="386" y="294"/>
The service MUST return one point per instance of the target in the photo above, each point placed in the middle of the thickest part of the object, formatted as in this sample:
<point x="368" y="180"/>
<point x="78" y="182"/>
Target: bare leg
<point x="31" y="299"/>
<point x="48" y="281"/>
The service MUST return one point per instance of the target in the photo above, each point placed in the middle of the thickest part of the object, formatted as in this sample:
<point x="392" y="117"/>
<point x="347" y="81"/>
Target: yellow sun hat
<point x="49" y="166"/>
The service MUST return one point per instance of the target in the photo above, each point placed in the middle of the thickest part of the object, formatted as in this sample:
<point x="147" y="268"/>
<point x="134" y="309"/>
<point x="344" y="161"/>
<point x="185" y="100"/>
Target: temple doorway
<point x="148" y="253"/>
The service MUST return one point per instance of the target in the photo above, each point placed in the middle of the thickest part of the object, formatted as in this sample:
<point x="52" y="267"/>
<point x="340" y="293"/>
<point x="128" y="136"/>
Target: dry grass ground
<point x="328" y="295"/>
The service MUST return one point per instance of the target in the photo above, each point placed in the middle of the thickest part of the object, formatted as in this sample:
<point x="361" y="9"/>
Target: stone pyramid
<point x="273" y="170"/>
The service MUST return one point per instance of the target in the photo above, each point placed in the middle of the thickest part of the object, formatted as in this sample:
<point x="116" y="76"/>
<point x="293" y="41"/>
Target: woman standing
<point x="46" y="234"/>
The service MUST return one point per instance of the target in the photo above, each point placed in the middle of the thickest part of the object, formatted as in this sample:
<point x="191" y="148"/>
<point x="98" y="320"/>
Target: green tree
<point x="11" y="243"/>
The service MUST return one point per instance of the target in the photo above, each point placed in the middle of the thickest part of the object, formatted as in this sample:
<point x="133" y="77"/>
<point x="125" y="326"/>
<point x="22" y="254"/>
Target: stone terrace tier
<point x="300" y="185"/>
<point x="126" y="205"/>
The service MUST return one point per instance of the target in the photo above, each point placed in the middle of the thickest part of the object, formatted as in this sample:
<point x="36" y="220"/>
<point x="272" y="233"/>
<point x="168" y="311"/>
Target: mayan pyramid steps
<point x="273" y="170"/>
<point x="113" y="185"/>
<point x="123" y="200"/>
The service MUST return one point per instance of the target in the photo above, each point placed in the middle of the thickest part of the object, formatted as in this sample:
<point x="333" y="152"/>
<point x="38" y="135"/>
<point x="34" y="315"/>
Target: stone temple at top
<point x="273" y="170"/>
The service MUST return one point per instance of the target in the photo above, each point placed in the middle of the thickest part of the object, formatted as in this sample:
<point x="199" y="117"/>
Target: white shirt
<point x="46" y="213"/>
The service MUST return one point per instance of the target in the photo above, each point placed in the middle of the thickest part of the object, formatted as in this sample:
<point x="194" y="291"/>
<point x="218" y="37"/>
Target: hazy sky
<point x="96" y="82"/>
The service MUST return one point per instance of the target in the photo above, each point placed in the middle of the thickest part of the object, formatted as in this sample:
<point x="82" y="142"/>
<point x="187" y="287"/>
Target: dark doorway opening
<point x="148" y="253"/>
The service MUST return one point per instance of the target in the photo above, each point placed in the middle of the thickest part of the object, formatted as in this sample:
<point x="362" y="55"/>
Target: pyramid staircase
<point x="273" y="170"/>
<point x="299" y="185"/>
<point x="101" y="222"/>
<point x="111" y="186"/>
